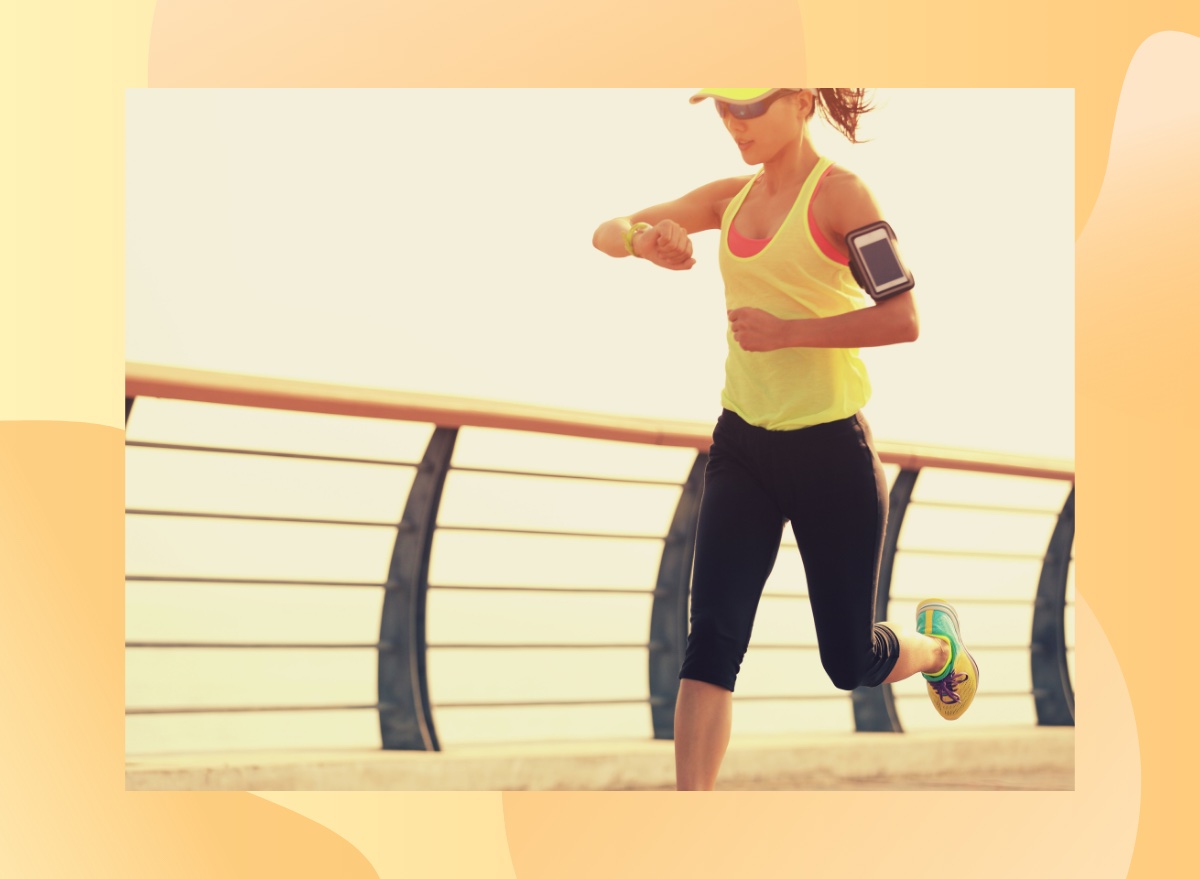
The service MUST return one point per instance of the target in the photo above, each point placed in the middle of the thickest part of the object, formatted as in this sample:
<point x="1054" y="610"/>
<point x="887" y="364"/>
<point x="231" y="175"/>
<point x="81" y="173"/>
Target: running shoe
<point x="953" y="689"/>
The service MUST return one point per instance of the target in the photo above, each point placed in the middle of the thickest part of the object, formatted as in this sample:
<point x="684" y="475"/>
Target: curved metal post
<point x="874" y="707"/>
<point x="1053" y="694"/>
<point x="669" y="614"/>
<point x="405" y="718"/>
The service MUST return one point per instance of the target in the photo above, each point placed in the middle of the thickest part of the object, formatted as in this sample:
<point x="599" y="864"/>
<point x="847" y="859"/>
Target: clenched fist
<point x="665" y="244"/>
<point x="756" y="330"/>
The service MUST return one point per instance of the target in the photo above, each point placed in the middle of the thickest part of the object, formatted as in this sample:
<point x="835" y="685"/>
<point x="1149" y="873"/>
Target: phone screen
<point x="882" y="264"/>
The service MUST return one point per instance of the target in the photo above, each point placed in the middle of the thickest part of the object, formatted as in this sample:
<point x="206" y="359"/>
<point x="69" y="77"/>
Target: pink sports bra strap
<point x="826" y="246"/>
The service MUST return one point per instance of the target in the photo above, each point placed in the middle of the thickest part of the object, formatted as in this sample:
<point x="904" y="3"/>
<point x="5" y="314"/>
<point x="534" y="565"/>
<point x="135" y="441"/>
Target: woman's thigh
<point x="737" y="541"/>
<point x="838" y="510"/>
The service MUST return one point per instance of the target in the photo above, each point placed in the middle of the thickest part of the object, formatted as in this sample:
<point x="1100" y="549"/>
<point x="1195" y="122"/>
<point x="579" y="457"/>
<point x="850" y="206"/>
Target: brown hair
<point x="842" y="108"/>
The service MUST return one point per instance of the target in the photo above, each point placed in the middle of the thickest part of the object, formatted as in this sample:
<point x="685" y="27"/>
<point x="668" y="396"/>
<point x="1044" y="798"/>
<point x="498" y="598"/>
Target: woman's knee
<point x="847" y="669"/>
<point x="868" y="667"/>
<point x="845" y="675"/>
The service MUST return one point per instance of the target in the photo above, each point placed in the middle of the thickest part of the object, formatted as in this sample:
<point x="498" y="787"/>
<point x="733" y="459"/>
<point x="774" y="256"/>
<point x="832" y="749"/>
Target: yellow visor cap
<point x="732" y="96"/>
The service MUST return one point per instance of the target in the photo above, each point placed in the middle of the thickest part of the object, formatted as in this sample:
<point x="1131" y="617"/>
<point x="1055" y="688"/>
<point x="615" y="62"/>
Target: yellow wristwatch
<point x="630" y="232"/>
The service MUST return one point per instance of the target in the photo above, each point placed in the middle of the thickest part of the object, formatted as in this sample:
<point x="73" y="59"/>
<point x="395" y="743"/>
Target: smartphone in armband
<point x="875" y="262"/>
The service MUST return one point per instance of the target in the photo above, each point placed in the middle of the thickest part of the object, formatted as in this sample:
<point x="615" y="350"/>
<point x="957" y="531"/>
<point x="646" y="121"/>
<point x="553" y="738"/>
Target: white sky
<point x="440" y="241"/>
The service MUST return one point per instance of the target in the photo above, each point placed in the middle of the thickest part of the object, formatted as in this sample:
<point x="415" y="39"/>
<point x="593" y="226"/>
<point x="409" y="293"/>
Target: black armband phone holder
<point x="875" y="261"/>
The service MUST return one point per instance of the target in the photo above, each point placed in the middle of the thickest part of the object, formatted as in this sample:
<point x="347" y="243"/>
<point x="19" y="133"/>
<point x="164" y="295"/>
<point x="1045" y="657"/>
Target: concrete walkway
<point x="1009" y="758"/>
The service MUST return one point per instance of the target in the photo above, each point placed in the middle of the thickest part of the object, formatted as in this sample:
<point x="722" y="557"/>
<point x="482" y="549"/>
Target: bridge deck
<point x="1016" y="758"/>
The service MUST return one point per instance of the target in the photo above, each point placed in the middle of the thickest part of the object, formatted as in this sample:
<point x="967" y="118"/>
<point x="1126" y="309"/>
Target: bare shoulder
<point x="845" y="202"/>
<point x="842" y="185"/>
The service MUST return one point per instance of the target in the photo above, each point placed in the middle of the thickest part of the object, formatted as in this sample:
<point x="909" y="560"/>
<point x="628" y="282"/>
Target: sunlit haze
<point x="440" y="241"/>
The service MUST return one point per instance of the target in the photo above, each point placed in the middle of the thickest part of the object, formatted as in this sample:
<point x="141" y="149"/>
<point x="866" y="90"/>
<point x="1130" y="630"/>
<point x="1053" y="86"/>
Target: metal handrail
<point x="405" y="706"/>
<point x="145" y="380"/>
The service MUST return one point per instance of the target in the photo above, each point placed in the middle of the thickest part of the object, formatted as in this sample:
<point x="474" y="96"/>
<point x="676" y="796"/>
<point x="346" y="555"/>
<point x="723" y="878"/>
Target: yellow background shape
<point x="61" y="298"/>
<point x="65" y="811"/>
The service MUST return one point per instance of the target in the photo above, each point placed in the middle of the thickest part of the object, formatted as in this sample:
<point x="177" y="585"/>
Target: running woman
<point x="790" y="443"/>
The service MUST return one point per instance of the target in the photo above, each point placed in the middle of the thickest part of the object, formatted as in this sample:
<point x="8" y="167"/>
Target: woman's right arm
<point x="666" y="243"/>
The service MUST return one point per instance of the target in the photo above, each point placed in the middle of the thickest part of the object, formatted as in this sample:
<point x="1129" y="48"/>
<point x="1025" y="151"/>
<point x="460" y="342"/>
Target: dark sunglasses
<point x="750" y="111"/>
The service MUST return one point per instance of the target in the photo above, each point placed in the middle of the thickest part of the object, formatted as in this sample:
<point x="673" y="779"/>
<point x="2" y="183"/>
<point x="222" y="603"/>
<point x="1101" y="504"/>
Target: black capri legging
<point x="829" y="482"/>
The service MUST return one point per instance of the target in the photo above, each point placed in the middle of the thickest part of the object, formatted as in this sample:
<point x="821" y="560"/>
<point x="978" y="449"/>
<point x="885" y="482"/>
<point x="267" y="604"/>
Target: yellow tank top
<point x="791" y="278"/>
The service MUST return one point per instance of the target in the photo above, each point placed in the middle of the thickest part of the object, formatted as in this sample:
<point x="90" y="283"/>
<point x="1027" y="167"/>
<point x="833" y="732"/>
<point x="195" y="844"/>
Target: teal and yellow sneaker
<point x="952" y="689"/>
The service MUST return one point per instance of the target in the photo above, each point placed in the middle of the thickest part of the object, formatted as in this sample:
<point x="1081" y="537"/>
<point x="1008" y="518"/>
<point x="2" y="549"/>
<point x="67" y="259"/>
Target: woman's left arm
<point x="848" y="205"/>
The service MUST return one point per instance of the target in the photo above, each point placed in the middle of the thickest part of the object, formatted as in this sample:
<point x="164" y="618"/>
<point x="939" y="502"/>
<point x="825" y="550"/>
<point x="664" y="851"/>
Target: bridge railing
<point x="467" y="556"/>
